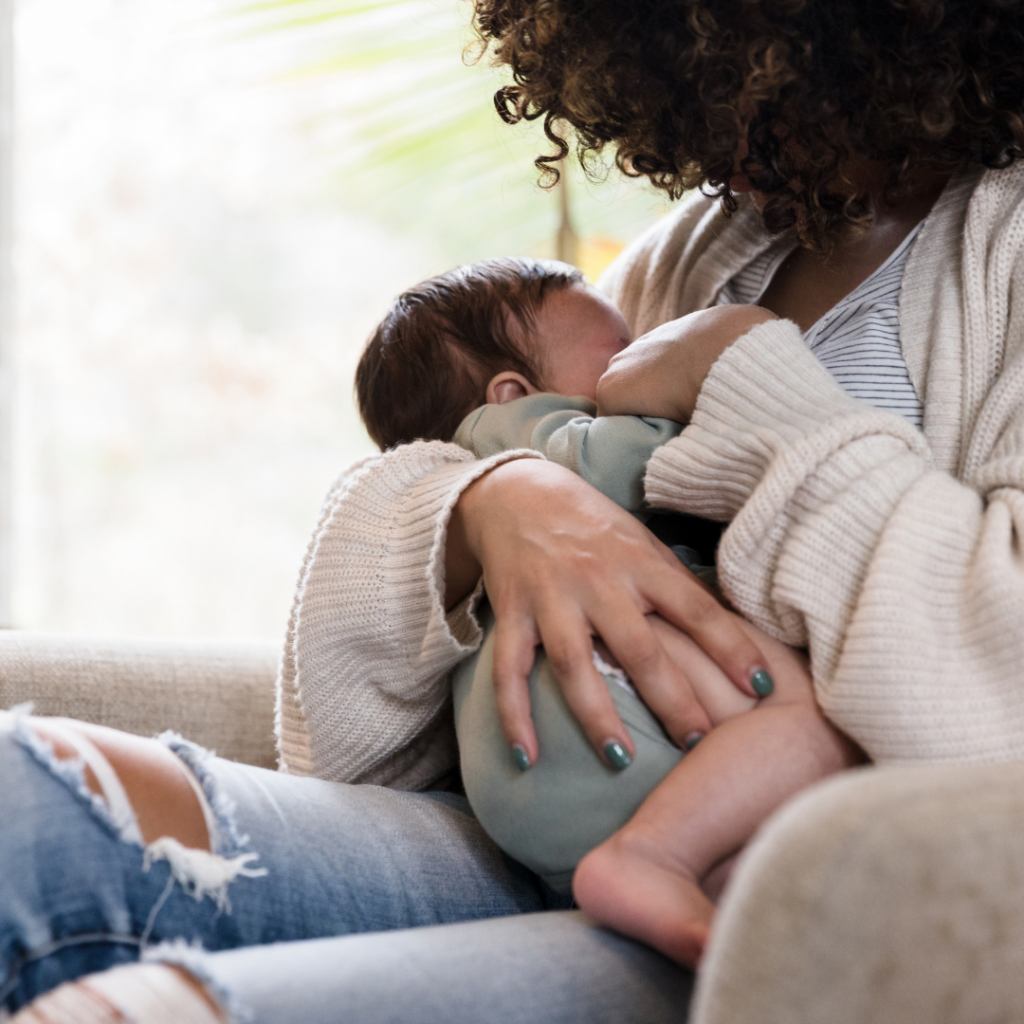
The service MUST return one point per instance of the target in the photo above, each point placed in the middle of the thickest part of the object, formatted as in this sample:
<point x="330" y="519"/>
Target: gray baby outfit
<point x="569" y="801"/>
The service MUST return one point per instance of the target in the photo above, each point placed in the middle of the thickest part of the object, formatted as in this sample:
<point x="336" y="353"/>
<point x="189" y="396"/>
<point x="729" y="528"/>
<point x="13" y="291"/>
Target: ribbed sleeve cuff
<point x="372" y="639"/>
<point x="764" y="393"/>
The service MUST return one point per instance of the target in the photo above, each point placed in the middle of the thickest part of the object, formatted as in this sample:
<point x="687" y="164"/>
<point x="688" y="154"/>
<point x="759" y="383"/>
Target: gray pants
<point x="529" y="969"/>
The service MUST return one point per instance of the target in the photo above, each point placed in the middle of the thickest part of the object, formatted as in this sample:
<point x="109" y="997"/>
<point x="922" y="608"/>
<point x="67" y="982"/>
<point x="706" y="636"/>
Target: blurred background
<point x="213" y="204"/>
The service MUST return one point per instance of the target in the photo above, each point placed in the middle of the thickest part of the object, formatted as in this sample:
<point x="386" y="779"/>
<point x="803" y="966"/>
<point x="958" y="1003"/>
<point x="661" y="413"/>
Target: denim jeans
<point x="342" y="864"/>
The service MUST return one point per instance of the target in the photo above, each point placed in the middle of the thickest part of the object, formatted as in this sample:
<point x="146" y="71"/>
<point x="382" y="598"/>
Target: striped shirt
<point x="858" y="339"/>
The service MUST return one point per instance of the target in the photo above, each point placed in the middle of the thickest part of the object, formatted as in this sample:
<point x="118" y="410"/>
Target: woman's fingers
<point x="664" y="685"/>
<point x="562" y="564"/>
<point x="714" y="690"/>
<point x="515" y="649"/>
<point x="570" y="653"/>
<point x="679" y="597"/>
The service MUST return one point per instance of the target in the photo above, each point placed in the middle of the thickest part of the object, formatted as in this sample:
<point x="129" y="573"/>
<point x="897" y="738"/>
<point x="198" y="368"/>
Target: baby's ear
<point x="507" y="386"/>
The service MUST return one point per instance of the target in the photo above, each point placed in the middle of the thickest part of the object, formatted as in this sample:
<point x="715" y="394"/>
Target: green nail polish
<point x="521" y="757"/>
<point x="618" y="756"/>
<point x="692" y="740"/>
<point x="762" y="683"/>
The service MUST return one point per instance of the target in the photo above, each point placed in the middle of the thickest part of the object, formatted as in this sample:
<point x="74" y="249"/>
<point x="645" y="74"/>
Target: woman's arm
<point x="363" y="695"/>
<point x="904" y="581"/>
<point x="562" y="564"/>
<point x="383" y="610"/>
<point x="893" y="555"/>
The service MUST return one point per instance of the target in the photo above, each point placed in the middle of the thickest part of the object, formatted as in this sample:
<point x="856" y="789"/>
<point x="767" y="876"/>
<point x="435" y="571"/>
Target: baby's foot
<point x="631" y="885"/>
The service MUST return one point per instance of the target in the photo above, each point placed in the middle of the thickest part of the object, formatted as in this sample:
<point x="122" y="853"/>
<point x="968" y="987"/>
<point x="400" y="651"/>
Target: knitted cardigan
<point x="894" y="555"/>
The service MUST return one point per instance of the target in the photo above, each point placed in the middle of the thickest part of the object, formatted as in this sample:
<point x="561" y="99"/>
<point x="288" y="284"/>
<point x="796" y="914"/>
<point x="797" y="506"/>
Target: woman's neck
<point x="807" y="285"/>
<point x="890" y="224"/>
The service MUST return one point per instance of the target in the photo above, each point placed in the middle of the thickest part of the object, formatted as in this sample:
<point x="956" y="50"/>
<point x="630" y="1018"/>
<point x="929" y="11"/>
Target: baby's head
<point x="486" y="332"/>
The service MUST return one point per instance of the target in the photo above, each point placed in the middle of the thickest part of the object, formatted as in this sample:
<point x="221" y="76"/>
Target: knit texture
<point x="890" y="552"/>
<point x="363" y="691"/>
<point x="289" y="718"/>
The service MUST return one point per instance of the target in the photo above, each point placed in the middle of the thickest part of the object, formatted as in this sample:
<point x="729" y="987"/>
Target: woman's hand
<point x="563" y="564"/>
<point x="789" y="668"/>
<point x="662" y="373"/>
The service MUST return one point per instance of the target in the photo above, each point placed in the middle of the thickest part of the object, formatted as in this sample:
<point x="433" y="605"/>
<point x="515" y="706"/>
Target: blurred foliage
<point x="423" y="147"/>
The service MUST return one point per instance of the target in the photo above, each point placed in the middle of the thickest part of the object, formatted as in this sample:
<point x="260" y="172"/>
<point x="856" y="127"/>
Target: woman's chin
<point x="739" y="182"/>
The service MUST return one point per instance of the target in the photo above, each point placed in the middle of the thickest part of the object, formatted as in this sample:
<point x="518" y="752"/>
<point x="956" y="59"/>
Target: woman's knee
<point x="149" y="793"/>
<point x="158" y="787"/>
<point x="77" y="893"/>
<point x="914" y="865"/>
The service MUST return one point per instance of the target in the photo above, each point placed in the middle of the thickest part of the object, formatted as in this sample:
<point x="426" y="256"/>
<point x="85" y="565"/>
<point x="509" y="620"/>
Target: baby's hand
<point x="662" y="373"/>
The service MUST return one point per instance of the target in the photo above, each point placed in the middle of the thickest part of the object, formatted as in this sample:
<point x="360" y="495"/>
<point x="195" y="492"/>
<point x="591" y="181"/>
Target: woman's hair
<point x="428" y="362"/>
<point x="818" y="84"/>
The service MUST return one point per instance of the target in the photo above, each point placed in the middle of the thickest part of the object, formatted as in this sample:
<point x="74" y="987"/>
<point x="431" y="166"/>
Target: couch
<point x="216" y="692"/>
<point x="882" y="896"/>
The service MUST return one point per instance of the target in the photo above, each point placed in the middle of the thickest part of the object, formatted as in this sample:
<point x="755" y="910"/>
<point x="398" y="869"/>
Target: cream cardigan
<point x="893" y="554"/>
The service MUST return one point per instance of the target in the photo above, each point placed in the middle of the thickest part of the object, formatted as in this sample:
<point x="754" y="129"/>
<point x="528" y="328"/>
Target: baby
<point x="505" y="354"/>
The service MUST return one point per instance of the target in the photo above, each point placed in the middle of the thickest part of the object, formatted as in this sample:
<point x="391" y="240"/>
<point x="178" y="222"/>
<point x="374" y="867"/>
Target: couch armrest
<point x="219" y="693"/>
<point x="882" y="896"/>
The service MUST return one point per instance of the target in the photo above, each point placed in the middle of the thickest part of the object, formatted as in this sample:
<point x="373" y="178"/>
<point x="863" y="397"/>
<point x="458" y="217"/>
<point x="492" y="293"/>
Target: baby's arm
<point x="662" y="373"/>
<point x="610" y="453"/>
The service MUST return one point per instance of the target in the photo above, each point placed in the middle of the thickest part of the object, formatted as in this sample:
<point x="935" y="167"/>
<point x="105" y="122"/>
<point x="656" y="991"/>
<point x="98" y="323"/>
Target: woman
<point x="873" y="495"/>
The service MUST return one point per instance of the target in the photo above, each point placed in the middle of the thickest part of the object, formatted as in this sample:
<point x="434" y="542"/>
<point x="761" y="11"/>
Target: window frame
<point x="6" y="309"/>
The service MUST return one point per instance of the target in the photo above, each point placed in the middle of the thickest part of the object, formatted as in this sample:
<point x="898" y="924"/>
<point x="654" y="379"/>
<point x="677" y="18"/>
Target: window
<point x="198" y="258"/>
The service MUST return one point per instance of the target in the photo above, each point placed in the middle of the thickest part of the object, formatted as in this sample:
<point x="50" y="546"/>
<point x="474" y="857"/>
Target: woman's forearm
<point x="371" y="643"/>
<point x="903" y="581"/>
<point x="379" y="613"/>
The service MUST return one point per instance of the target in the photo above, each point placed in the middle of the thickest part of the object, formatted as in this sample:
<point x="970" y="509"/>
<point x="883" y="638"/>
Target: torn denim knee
<point x="201" y="873"/>
<point x="71" y="772"/>
<point x="191" y="957"/>
<point x="205" y="872"/>
<point x="218" y="808"/>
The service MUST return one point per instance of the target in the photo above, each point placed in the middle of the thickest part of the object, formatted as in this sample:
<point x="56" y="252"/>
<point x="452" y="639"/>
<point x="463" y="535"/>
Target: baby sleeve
<point x="609" y="452"/>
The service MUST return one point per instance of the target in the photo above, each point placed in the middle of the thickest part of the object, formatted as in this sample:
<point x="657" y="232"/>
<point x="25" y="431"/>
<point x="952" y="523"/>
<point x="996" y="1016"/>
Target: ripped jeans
<point x="300" y="859"/>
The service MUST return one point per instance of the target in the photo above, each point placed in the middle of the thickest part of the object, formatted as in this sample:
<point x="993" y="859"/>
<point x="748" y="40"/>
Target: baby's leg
<point x="645" y="880"/>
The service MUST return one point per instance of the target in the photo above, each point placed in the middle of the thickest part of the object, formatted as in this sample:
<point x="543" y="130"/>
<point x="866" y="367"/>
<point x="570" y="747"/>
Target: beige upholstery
<point x="219" y="693"/>
<point x="885" y="896"/>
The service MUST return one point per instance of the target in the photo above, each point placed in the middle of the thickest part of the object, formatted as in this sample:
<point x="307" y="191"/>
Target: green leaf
<point x="427" y="151"/>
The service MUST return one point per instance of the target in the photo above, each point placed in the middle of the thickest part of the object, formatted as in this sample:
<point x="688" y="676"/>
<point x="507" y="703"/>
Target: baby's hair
<point x="428" y="362"/>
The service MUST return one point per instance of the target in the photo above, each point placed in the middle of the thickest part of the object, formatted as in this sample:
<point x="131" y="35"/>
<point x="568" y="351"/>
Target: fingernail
<point x="521" y="757"/>
<point x="618" y="756"/>
<point x="692" y="740"/>
<point x="762" y="683"/>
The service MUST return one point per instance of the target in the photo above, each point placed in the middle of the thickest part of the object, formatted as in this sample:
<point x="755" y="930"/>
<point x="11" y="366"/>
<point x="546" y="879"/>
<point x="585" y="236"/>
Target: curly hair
<point x="815" y="85"/>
